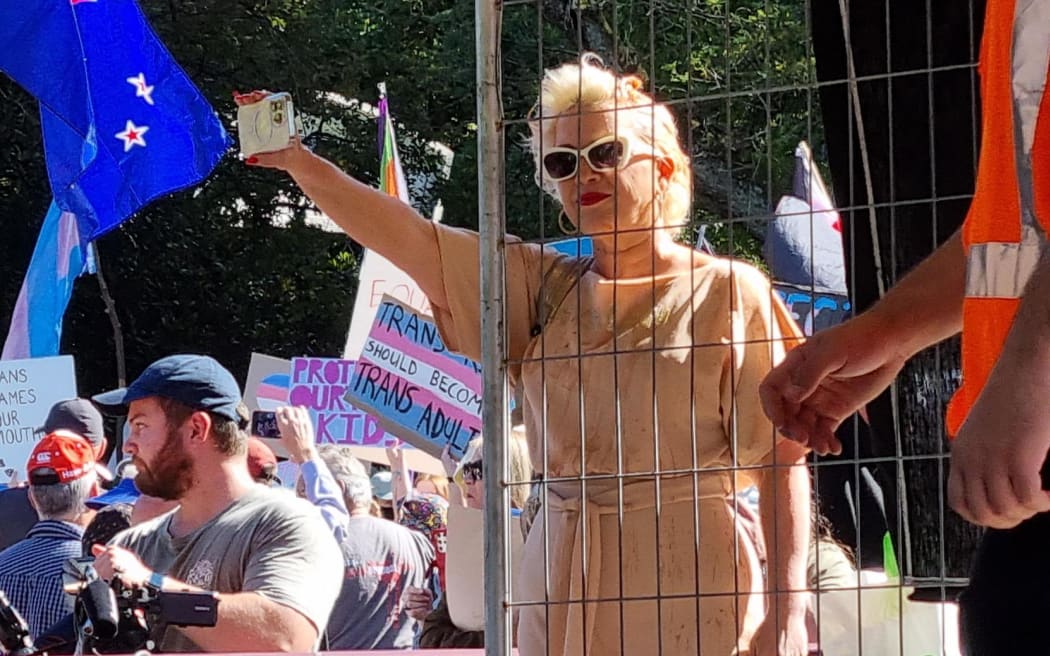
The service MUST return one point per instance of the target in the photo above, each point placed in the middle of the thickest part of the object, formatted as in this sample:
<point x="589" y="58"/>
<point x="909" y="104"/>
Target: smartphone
<point x="266" y="126"/>
<point x="264" y="425"/>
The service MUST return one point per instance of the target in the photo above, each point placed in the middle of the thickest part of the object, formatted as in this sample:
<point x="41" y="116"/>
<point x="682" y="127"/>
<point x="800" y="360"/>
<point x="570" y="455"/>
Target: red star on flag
<point x="142" y="90"/>
<point x="132" y="135"/>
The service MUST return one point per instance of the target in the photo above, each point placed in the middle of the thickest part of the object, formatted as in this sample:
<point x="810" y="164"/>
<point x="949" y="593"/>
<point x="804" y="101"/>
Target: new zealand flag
<point x="122" y="123"/>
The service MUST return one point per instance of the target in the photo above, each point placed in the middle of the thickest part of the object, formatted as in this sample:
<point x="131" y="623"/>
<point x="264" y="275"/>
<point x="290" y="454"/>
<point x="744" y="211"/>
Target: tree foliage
<point x="207" y="270"/>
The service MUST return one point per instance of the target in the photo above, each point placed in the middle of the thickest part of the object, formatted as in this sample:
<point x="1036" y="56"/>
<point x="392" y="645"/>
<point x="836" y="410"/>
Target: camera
<point x="266" y="126"/>
<point x="114" y="618"/>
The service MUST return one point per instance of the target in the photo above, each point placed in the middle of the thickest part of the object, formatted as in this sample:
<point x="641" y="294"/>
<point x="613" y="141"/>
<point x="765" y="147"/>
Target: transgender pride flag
<point x="36" y="325"/>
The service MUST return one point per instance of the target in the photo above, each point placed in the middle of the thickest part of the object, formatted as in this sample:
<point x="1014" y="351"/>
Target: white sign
<point x="464" y="579"/>
<point x="379" y="277"/>
<point x="28" y="389"/>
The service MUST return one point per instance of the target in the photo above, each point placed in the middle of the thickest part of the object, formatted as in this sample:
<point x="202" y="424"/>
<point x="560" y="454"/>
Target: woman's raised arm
<point x="370" y="217"/>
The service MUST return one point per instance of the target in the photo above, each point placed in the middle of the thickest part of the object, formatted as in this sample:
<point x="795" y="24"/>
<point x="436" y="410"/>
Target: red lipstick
<point x="592" y="197"/>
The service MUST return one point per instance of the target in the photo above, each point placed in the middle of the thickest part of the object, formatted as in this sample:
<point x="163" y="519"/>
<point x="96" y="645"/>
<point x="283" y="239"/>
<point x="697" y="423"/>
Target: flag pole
<point x="114" y="320"/>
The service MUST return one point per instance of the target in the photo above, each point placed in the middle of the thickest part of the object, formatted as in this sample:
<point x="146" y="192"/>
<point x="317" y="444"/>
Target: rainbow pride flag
<point x="391" y="175"/>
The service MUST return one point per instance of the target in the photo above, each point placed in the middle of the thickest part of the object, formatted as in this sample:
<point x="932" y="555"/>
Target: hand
<point x="788" y="637"/>
<point x="396" y="457"/>
<point x="297" y="432"/>
<point x="1000" y="448"/>
<point x="418" y="602"/>
<point x="285" y="159"/>
<point x="448" y="462"/>
<point x="825" y="380"/>
<point x="111" y="562"/>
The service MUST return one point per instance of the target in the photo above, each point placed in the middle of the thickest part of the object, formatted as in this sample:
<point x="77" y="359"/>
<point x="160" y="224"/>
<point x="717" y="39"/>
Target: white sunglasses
<point x="604" y="154"/>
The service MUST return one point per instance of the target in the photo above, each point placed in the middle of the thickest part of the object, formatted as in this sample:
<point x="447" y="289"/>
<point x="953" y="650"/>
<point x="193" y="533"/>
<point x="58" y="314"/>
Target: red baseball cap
<point x="262" y="463"/>
<point x="60" y="457"/>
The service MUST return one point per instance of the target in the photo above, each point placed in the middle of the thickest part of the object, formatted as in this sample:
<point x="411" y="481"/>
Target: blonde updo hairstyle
<point x="589" y="86"/>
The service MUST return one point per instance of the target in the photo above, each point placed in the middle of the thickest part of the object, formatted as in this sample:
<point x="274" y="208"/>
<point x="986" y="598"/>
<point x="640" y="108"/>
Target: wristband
<point x="155" y="581"/>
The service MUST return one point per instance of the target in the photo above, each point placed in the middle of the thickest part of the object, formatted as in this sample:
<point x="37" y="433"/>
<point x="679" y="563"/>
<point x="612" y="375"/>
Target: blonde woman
<point x="469" y="475"/>
<point x="643" y="414"/>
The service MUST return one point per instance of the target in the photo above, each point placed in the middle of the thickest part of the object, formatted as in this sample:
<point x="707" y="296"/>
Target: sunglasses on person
<point x="472" y="472"/>
<point x="604" y="154"/>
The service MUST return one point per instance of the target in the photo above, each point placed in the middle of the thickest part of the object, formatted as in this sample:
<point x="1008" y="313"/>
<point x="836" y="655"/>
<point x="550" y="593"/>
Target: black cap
<point x="79" y="416"/>
<point x="196" y="381"/>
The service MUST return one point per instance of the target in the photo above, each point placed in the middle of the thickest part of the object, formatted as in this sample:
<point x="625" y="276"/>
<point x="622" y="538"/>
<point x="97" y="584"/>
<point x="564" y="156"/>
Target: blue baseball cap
<point x="196" y="381"/>
<point x="124" y="492"/>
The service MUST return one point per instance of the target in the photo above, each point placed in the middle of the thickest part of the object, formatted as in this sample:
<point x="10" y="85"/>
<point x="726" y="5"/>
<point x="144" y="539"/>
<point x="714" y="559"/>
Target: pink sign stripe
<point x="424" y="397"/>
<point x="456" y="370"/>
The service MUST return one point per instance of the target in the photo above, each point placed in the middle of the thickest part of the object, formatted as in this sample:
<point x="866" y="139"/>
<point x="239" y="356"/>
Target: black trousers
<point x="1006" y="608"/>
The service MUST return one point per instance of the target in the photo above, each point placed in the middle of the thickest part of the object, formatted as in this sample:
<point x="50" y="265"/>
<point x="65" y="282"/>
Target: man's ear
<point x="200" y="426"/>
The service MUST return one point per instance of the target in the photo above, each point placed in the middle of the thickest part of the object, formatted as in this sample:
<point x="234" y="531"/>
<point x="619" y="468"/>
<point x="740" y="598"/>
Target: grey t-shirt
<point x="382" y="559"/>
<point x="267" y="542"/>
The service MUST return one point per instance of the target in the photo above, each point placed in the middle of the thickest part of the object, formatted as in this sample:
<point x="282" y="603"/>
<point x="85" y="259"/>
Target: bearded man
<point x="269" y="557"/>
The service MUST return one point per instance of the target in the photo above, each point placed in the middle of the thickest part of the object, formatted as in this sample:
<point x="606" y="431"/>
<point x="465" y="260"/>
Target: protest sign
<point x="814" y="310"/>
<point x="28" y="389"/>
<point x="417" y="388"/>
<point x="379" y="278"/>
<point x="268" y="382"/>
<point x="465" y="580"/>
<point x="320" y="384"/>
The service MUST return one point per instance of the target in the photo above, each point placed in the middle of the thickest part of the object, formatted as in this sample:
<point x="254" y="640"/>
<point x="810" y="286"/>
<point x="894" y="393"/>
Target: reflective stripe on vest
<point x="1002" y="269"/>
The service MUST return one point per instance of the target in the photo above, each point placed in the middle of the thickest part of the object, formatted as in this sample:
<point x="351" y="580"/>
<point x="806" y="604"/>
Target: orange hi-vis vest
<point x="1009" y="218"/>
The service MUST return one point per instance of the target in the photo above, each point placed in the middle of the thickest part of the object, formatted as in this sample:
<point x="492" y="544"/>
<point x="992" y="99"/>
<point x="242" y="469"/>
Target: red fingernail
<point x="252" y="160"/>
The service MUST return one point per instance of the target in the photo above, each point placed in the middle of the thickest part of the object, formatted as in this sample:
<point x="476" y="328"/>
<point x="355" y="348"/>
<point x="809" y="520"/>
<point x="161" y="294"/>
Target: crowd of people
<point x="654" y="383"/>
<point x="198" y="507"/>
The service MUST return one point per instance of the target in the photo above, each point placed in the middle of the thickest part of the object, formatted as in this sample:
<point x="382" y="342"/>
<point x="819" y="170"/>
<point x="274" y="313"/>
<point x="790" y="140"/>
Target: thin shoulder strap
<point x="557" y="283"/>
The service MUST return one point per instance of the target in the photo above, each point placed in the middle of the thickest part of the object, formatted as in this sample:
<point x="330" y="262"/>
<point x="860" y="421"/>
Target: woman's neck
<point x="641" y="254"/>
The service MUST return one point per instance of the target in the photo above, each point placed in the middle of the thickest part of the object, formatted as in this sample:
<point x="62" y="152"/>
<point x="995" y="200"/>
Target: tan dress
<point x="655" y="402"/>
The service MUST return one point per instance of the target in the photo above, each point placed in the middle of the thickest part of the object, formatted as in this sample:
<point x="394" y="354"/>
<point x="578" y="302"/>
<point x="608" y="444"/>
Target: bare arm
<point x="837" y="371"/>
<point x="247" y="621"/>
<point x="250" y="622"/>
<point x="925" y="307"/>
<point x="784" y="506"/>
<point x="370" y="217"/>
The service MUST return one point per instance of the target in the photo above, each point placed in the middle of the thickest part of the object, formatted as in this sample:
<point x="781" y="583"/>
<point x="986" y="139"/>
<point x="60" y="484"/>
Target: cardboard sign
<point x="320" y="385"/>
<point x="417" y="388"/>
<point x="379" y="278"/>
<point x="268" y="382"/>
<point x="813" y="310"/>
<point x="28" y="389"/>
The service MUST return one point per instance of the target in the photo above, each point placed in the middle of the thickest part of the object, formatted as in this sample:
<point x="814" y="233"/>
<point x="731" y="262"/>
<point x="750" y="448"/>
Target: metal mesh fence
<point x="655" y="471"/>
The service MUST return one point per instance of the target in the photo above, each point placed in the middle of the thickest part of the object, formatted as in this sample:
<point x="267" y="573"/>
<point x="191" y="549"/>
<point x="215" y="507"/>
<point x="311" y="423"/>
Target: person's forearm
<point x="323" y="491"/>
<point x="784" y="506"/>
<point x="925" y="307"/>
<point x="375" y="220"/>
<point x="249" y="622"/>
